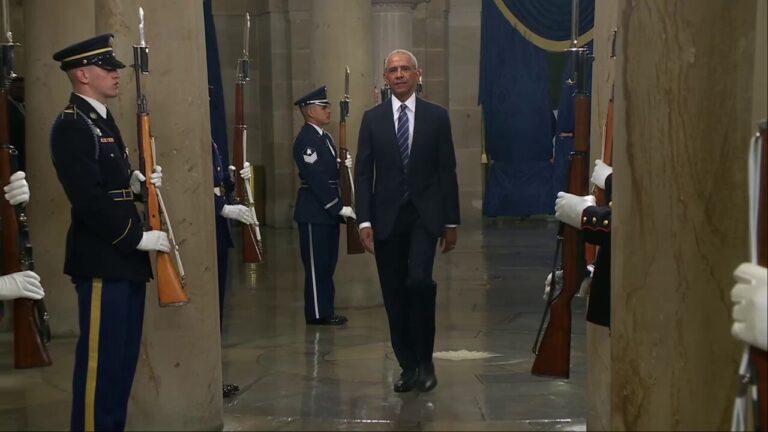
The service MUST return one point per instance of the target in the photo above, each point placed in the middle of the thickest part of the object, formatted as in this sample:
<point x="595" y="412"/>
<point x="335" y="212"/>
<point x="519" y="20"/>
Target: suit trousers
<point x="111" y="313"/>
<point x="319" y="253"/>
<point x="405" y="260"/>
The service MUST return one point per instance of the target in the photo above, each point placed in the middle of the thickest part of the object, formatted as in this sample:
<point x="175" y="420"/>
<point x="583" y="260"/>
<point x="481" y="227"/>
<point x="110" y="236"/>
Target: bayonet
<point x="7" y="47"/>
<point x="246" y="34"/>
<point x="243" y="69"/>
<point x="142" y="41"/>
<point x="344" y="104"/>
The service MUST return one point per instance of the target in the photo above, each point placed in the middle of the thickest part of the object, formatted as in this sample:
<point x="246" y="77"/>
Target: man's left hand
<point x="750" y="298"/>
<point x="156" y="178"/>
<point x="348" y="161"/>
<point x="17" y="189"/>
<point x="449" y="238"/>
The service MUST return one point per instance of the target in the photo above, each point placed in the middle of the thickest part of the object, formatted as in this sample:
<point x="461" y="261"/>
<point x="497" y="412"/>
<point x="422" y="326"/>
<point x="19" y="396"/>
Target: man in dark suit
<point x="106" y="251"/>
<point x="318" y="208"/>
<point x="407" y="199"/>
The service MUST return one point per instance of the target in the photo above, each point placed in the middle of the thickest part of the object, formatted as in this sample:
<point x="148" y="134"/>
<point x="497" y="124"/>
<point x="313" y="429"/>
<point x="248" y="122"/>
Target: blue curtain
<point x="215" y="88"/>
<point x="524" y="169"/>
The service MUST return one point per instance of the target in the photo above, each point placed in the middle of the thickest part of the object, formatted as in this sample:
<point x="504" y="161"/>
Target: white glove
<point x="245" y="173"/>
<point x="17" y="189"/>
<point x="24" y="284"/>
<point x="348" y="161"/>
<point x="548" y="283"/>
<point x="568" y="207"/>
<point x="347" y="212"/>
<point x="154" y="240"/>
<point x="239" y="213"/>
<point x="137" y="177"/>
<point x="750" y="297"/>
<point x="600" y="173"/>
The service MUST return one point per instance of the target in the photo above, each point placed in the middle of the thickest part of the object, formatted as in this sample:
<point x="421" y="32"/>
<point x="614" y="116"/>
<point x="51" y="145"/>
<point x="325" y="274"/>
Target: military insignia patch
<point x="107" y="140"/>
<point x="310" y="155"/>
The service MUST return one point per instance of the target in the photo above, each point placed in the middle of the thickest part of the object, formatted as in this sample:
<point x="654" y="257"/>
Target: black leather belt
<point x="121" y="195"/>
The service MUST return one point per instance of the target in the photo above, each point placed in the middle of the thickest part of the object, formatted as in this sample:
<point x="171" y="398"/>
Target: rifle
<point x="170" y="283"/>
<point x="553" y="353"/>
<point x="758" y="357"/>
<point x="253" y="249"/>
<point x="31" y="331"/>
<point x="354" y="245"/>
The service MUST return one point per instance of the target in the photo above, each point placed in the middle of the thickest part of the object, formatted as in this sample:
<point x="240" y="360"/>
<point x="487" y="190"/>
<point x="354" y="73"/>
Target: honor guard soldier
<point x="318" y="207"/>
<point x="222" y="188"/>
<point x="106" y="247"/>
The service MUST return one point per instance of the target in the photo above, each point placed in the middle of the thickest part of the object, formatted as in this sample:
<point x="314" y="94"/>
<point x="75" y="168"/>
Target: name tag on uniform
<point x="107" y="139"/>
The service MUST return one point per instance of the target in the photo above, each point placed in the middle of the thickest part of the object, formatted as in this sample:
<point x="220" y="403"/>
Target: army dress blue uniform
<point x="108" y="271"/>
<point x="318" y="203"/>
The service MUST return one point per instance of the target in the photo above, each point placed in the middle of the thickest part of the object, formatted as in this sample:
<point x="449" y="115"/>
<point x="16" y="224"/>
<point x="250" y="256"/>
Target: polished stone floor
<point x="298" y="377"/>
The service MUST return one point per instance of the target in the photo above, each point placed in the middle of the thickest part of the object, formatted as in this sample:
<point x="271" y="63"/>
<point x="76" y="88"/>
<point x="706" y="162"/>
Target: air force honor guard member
<point x="318" y="207"/>
<point x="106" y="247"/>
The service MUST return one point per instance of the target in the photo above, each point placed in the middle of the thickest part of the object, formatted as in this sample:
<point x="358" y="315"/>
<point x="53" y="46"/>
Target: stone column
<point x="340" y="39"/>
<point x="180" y="347"/>
<point x="683" y="122"/>
<point x="274" y="53"/>
<point x="598" y="337"/>
<point x="391" y="28"/>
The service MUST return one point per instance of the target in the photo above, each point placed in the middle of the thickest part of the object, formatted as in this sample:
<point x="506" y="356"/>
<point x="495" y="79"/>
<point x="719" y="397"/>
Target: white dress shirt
<point x="98" y="106"/>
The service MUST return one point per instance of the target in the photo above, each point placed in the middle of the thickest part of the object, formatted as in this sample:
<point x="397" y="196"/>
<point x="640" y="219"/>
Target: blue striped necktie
<point x="403" y="135"/>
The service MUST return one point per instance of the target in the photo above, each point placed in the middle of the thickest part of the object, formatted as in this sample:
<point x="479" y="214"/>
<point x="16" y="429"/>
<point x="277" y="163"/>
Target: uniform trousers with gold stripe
<point x="111" y="317"/>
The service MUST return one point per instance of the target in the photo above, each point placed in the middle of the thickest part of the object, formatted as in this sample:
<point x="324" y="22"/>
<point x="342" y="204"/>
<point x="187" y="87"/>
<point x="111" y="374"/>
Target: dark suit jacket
<point x="381" y="181"/>
<point x="91" y="160"/>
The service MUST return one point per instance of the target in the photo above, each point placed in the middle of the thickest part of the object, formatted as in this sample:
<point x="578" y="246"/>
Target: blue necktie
<point x="403" y="134"/>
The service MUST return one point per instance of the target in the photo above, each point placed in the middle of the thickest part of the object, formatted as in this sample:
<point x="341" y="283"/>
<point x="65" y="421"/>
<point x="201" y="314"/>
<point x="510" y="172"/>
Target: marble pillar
<point x="598" y="394"/>
<point x="684" y="78"/>
<point x="178" y="383"/>
<point x="391" y="28"/>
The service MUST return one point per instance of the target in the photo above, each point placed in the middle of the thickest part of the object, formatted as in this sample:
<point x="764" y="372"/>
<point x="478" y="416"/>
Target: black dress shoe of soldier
<point x="407" y="382"/>
<point x="229" y="389"/>
<point x="341" y="318"/>
<point x="427" y="377"/>
<point x="335" y="320"/>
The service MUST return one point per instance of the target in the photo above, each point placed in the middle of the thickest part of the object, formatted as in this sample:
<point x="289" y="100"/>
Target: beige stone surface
<point x="684" y="109"/>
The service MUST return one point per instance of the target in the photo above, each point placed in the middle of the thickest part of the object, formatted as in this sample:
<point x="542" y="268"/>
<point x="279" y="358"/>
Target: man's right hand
<point x="366" y="237"/>
<point x="23" y="284"/>
<point x="239" y="213"/>
<point x="347" y="212"/>
<point x="154" y="240"/>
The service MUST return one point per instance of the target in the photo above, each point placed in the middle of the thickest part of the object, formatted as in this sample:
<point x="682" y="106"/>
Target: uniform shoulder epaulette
<point x="69" y="112"/>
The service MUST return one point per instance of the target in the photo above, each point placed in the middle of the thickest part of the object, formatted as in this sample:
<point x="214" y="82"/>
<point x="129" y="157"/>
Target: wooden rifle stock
<point x="170" y="290"/>
<point x="554" y="353"/>
<point x="553" y="356"/>
<point x="354" y="245"/>
<point x="252" y="245"/>
<point x="758" y="357"/>
<point x="170" y="285"/>
<point x="30" y="326"/>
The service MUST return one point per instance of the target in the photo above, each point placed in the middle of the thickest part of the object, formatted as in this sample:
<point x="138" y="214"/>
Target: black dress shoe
<point x="407" y="382"/>
<point x="427" y="377"/>
<point x="334" y="320"/>
<point x="229" y="389"/>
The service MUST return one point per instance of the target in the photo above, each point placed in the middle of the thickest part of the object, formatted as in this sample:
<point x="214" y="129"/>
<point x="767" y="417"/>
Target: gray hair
<point x="401" y="51"/>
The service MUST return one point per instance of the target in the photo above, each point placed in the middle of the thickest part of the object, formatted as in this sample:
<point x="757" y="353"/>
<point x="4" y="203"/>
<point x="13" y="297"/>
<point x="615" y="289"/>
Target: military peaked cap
<point x="95" y="51"/>
<point x="315" y="97"/>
